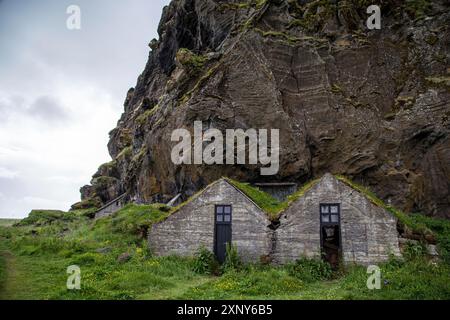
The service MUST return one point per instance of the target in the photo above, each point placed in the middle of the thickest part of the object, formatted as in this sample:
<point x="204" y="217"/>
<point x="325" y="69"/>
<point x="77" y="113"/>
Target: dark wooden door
<point x="223" y="231"/>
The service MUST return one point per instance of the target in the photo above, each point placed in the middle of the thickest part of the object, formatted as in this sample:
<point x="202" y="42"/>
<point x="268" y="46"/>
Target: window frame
<point x="330" y="214"/>
<point x="223" y="214"/>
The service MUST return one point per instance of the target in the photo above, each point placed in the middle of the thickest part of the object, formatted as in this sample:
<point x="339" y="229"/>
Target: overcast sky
<point x="62" y="91"/>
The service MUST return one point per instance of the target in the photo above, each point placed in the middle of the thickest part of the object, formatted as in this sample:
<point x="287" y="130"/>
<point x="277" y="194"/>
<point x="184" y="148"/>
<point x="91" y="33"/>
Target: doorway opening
<point x="330" y="233"/>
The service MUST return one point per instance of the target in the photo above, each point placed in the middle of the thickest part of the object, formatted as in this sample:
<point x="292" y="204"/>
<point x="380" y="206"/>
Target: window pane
<point x="227" y="218"/>
<point x="325" y="218"/>
<point x="219" y="218"/>
<point x="227" y="209"/>
<point x="334" y="209"/>
<point x="334" y="218"/>
<point x="219" y="209"/>
<point x="324" y="209"/>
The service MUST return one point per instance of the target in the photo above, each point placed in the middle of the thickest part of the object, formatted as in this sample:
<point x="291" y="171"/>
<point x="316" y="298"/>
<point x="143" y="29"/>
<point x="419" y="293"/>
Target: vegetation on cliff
<point x="369" y="104"/>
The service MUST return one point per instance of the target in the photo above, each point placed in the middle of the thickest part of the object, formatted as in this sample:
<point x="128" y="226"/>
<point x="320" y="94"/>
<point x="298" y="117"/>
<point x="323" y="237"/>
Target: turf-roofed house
<point x="326" y="218"/>
<point x="336" y="221"/>
<point x="216" y="216"/>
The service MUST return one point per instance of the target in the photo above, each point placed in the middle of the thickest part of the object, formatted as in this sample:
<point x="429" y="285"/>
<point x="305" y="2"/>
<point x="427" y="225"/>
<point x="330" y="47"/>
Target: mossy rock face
<point x="145" y="117"/>
<point x="191" y="61"/>
<point x="147" y="104"/>
<point x="125" y="154"/>
<point x="309" y="68"/>
<point x="123" y="138"/>
<point x="417" y="8"/>
<point x="439" y="81"/>
<point x="106" y="188"/>
<point x="92" y="203"/>
<point x="108" y="169"/>
<point x="233" y="6"/>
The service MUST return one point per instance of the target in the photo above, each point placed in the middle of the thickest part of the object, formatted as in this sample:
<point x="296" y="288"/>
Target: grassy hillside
<point x="116" y="263"/>
<point x="8" y="222"/>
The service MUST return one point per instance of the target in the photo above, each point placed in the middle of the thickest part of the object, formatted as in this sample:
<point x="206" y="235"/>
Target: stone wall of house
<point x="184" y="232"/>
<point x="368" y="232"/>
<point x="110" y="209"/>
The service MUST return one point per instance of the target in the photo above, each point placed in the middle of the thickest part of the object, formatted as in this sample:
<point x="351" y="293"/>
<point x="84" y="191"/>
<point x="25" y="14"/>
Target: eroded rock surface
<point x="371" y="105"/>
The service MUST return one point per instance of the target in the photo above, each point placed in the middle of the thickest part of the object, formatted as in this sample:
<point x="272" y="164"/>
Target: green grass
<point x="418" y="279"/>
<point x="34" y="257"/>
<point x="265" y="201"/>
<point x="274" y="207"/>
<point x="441" y="229"/>
<point x="8" y="222"/>
<point x="2" y="271"/>
<point x="39" y="217"/>
<point x="35" y="254"/>
<point x="42" y="252"/>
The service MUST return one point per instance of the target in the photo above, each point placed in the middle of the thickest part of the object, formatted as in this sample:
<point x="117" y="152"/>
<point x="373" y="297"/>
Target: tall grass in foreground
<point x="44" y="248"/>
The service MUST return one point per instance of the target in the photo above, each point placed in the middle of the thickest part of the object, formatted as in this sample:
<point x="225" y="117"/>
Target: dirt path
<point x="7" y="288"/>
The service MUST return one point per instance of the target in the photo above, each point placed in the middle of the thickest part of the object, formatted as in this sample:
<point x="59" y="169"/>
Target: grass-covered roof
<point x="274" y="208"/>
<point x="404" y="219"/>
<point x="265" y="201"/>
<point x="271" y="206"/>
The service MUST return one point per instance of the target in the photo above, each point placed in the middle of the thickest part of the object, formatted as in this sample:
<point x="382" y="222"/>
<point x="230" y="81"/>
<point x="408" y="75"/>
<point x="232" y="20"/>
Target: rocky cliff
<point x="371" y="105"/>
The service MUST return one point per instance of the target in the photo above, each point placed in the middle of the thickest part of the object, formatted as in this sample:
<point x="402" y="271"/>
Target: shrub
<point x="141" y="251"/>
<point x="205" y="262"/>
<point x="132" y="220"/>
<point x="414" y="250"/>
<point x="192" y="61"/>
<point x="232" y="259"/>
<point x="394" y="262"/>
<point x="310" y="270"/>
<point x="441" y="229"/>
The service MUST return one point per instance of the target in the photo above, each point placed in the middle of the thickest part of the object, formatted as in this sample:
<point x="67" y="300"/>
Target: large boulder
<point x="372" y="105"/>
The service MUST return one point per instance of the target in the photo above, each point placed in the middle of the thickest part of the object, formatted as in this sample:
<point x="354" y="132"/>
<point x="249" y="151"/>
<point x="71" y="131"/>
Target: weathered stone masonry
<point x="368" y="232"/>
<point x="193" y="226"/>
<point x="111" y="207"/>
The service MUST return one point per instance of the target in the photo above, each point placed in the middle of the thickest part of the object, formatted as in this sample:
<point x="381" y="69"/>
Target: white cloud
<point x="7" y="174"/>
<point x="42" y="203"/>
<point x="66" y="179"/>
<point x="57" y="160"/>
<point x="47" y="108"/>
<point x="61" y="92"/>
